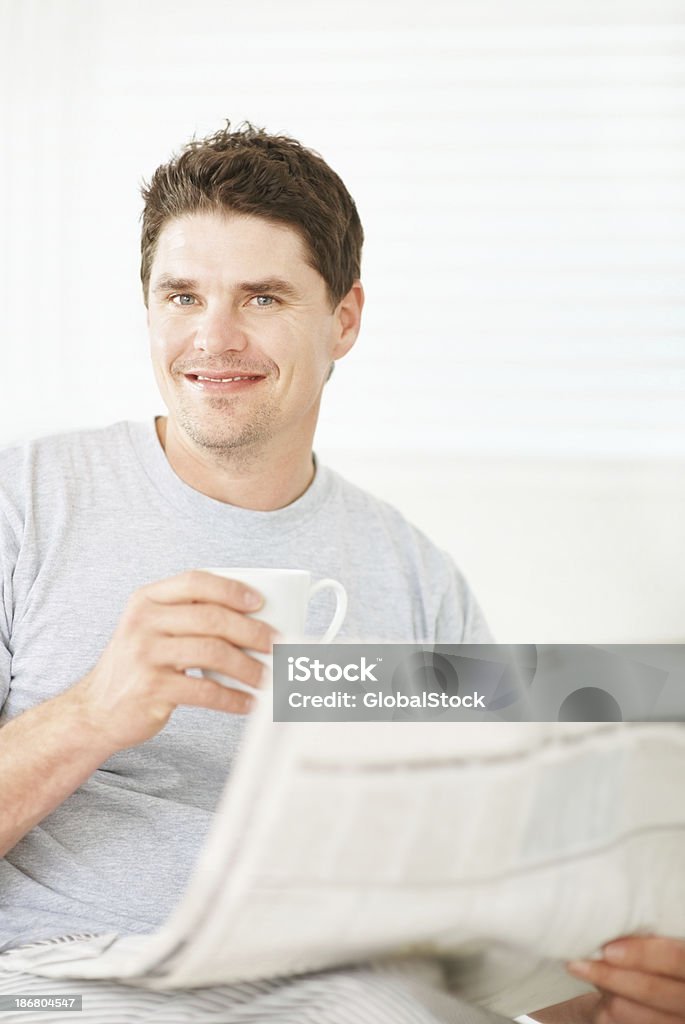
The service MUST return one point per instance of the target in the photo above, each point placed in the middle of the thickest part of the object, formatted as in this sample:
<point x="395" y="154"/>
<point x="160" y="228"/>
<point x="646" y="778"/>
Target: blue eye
<point x="265" y="300"/>
<point x="174" y="297"/>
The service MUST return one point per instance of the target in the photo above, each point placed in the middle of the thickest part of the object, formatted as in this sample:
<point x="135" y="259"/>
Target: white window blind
<point x="519" y="169"/>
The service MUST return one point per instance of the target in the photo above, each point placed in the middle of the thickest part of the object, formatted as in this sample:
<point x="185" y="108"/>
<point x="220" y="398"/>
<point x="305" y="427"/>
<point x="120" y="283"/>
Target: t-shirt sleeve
<point x="460" y="619"/>
<point x="5" y="609"/>
<point x="10" y="539"/>
<point x="5" y="669"/>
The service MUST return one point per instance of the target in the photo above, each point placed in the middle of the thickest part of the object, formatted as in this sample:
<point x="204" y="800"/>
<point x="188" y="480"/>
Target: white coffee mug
<point x="286" y="594"/>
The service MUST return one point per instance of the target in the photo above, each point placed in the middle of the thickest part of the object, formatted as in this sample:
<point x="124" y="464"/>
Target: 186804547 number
<point x="17" y="1001"/>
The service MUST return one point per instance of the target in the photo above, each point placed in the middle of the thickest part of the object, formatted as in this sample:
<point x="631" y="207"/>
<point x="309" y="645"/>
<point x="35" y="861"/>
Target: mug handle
<point x="340" y="606"/>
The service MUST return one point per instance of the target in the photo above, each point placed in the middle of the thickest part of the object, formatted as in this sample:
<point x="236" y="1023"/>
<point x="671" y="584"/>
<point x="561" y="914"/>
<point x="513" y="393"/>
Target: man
<point x="112" y="758"/>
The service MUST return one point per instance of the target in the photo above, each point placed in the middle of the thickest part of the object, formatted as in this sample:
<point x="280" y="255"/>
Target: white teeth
<point x="224" y="380"/>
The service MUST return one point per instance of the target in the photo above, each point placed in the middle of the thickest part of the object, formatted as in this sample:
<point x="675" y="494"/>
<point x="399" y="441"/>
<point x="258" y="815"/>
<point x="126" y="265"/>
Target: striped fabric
<point x="410" y="992"/>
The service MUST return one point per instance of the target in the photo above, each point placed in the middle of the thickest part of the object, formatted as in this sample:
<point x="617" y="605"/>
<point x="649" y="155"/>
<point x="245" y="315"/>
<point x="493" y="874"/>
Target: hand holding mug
<point x="286" y="595"/>
<point x="195" y="618"/>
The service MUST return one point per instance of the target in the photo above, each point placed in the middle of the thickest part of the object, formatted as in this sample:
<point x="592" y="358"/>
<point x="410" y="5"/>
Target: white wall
<point x="519" y="171"/>
<point x="558" y="551"/>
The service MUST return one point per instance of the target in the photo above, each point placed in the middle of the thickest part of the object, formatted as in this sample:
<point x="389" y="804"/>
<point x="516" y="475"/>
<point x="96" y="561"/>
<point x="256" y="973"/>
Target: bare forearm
<point x="45" y="755"/>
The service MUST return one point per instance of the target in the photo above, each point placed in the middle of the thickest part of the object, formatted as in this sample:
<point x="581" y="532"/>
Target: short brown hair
<point x="249" y="171"/>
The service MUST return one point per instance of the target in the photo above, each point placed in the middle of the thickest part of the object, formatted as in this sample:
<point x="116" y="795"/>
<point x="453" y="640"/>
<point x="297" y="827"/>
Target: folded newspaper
<point x="506" y="847"/>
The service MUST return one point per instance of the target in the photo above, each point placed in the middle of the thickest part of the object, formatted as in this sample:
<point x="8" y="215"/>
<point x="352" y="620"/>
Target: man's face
<point x="233" y="296"/>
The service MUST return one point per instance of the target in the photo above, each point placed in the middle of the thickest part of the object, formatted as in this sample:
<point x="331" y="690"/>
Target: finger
<point x="209" y="653"/>
<point x="599" y="1008"/>
<point x="215" y="620"/>
<point x="197" y="585"/>
<point x="651" y="953"/>
<point x="652" y="990"/>
<point x="205" y="693"/>
<point x="618" y="1010"/>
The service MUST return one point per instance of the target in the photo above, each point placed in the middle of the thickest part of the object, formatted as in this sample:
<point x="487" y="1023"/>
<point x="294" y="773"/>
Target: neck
<point x="258" y="481"/>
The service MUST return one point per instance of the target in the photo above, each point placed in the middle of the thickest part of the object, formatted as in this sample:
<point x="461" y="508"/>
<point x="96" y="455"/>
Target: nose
<point x="219" y="331"/>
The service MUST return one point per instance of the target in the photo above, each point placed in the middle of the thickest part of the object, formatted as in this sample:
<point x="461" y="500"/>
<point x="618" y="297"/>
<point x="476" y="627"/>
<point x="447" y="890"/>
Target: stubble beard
<point x="225" y="435"/>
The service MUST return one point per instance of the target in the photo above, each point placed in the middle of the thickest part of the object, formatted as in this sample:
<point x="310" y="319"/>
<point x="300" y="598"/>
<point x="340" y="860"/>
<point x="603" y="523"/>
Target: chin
<point x="221" y="438"/>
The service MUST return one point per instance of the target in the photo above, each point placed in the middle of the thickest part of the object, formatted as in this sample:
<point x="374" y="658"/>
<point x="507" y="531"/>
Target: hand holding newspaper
<point x="504" y="845"/>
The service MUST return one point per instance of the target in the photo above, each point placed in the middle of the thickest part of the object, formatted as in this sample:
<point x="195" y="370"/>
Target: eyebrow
<point x="263" y="287"/>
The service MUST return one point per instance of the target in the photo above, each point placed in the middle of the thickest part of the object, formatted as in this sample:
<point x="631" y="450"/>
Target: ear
<point x="348" y="315"/>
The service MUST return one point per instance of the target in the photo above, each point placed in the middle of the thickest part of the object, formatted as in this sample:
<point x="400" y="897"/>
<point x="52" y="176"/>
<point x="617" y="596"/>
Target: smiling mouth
<point x="222" y="380"/>
<point x="236" y="382"/>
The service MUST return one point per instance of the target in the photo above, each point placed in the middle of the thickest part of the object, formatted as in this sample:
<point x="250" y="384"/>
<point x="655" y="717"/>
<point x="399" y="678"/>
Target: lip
<point x="222" y="387"/>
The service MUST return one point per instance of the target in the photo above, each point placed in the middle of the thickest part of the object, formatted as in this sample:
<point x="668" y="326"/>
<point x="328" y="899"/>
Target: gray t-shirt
<point x="85" y="519"/>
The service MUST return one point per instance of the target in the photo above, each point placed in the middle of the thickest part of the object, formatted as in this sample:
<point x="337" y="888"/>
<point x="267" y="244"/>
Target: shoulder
<point x="405" y="556"/>
<point x="63" y="444"/>
<point x="61" y="448"/>
<point x="41" y="466"/>
<point x="380" y="522"/>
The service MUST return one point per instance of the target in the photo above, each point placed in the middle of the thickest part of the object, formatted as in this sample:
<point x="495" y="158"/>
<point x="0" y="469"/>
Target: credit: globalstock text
<point x="343" y="699"/>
